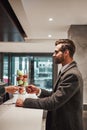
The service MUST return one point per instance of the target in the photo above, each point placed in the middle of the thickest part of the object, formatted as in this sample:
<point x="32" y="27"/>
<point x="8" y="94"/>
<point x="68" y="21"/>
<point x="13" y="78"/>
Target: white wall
<point x="27" y="47"/>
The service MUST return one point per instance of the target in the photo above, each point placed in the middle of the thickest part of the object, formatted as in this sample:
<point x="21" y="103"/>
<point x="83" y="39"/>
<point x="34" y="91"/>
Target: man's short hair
<point x="67" y="44"/>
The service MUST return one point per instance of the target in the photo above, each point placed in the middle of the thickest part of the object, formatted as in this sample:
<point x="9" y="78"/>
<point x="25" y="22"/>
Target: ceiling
<point x="34" y="15"/>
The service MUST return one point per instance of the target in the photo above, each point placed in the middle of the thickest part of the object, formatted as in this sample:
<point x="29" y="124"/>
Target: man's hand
<point x="11" y="89"/>
<point x="19" y="102"/>
<point x="32" y="89"/>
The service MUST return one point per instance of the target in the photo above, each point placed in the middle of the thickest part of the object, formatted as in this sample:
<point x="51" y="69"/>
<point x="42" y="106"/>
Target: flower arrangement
<point x="21" y="78"/>
<point x="21" y="81"/>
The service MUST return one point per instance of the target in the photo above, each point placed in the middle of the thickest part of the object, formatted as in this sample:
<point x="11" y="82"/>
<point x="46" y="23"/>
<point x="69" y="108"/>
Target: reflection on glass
<point x="43" y="72"/>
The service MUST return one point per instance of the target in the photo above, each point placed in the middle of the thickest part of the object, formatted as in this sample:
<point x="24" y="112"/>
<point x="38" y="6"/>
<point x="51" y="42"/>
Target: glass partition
<point x="18" y="63"/>
<point x="43" y="72"/>
<point x="38" y="68"/>
<point x="5" y="70"/>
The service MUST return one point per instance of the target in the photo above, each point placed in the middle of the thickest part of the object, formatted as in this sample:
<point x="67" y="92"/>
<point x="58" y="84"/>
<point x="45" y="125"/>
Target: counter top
<point x="18" y="118"/>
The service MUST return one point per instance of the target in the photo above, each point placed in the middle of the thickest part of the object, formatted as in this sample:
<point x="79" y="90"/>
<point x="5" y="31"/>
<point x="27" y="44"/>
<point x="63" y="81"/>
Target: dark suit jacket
<point x="64" y="103"/>
<point x="2" y="89"/>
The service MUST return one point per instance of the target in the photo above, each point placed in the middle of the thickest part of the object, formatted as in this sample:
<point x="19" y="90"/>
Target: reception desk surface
<point x="17" y="118"/>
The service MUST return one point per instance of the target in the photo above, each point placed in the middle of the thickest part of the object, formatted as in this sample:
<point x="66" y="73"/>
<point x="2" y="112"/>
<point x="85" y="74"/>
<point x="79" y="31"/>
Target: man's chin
<point x="56" y="62"/>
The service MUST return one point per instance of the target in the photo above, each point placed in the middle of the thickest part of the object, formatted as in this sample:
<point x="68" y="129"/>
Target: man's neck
<point x="67" y="62"/>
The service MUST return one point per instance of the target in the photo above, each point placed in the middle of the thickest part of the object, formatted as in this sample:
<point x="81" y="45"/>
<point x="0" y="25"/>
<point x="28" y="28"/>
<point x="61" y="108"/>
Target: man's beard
<point x="59" y="60"/>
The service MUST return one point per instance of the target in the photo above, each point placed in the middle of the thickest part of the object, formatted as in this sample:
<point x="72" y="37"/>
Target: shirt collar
<point x="64" y="67"/>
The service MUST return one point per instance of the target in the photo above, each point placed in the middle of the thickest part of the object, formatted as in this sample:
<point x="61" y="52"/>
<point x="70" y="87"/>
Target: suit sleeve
<point x="68" y="86"/>
<point x="45" y="93"/>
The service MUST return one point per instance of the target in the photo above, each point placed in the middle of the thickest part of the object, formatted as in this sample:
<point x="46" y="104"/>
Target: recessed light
<point x="50" y="19"/>
<point x="49" y="35"/>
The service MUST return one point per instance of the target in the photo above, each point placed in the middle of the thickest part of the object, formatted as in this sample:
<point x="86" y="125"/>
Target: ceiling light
<point x="50" y="19"/>
<point x="49" y="35"/>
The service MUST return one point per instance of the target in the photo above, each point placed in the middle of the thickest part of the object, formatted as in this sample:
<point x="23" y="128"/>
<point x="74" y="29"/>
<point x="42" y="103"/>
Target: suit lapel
<point x="73" y="64"/>
<point x="56" y="83"/>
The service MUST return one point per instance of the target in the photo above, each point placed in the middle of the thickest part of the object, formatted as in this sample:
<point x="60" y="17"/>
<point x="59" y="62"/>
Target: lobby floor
<point x="43" y="124"/>
<point x="85" y="119"/>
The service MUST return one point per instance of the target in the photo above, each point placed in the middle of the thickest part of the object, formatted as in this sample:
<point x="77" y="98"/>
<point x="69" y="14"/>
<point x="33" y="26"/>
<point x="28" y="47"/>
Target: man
<point x="64" y="103"/>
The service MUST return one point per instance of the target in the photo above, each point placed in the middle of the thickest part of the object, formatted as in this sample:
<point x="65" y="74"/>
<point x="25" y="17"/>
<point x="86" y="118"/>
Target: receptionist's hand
<point x="19" y="102"/>
<point x="11" y="89"/>
<point x="21" y="90"/>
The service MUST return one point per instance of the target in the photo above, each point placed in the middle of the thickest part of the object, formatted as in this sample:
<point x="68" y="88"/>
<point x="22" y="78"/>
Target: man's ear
<point x="66" y="52"/>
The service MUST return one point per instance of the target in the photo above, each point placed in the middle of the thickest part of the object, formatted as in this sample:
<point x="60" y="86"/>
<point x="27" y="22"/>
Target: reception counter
<point x="18" y="118"/>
